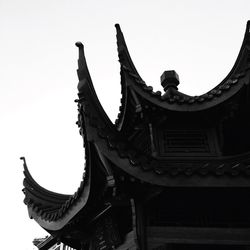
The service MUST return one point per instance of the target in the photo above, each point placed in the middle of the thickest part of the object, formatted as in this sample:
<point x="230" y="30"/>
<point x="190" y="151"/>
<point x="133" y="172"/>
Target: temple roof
<point x="53" y="210"/>
<point x="175" y="100"/>
<point x="109" y="148"/>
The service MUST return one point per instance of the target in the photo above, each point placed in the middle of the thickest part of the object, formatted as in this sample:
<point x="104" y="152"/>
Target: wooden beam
<point x="189" y="235"/>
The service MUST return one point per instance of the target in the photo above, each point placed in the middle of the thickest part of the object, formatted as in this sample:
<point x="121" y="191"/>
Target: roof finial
<point x="169" y="79"/>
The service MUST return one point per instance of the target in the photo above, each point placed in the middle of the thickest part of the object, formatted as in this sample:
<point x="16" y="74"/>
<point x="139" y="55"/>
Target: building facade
<point x="172" y="173"/>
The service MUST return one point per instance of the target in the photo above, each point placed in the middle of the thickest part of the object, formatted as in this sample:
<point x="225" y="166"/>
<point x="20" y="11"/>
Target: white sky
<point x="38" y="61"/>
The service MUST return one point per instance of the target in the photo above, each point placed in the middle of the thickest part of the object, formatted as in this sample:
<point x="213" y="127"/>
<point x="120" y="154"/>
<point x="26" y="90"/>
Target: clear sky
<point x="38" y="60"/>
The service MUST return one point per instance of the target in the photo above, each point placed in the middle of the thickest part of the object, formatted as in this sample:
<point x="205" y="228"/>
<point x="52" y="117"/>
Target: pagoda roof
<point x="176" y="100"/>
<point x="114" y="146"/>
<point x="52" y="210"/>
<point x="106" y="142"/>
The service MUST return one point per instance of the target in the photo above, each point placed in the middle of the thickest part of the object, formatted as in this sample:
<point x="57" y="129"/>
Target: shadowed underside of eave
<point x="223" y="171"/>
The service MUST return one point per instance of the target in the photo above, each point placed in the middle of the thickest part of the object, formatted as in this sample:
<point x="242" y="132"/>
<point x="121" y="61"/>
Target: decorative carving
<point x="185" y="142"/>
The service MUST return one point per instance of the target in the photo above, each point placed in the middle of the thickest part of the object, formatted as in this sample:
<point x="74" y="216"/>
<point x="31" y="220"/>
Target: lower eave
<point x="53" y="211"/>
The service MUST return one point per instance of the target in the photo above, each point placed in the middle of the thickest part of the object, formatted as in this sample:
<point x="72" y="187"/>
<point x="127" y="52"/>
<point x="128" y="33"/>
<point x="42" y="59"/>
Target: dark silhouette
<point x="173" y="172"/>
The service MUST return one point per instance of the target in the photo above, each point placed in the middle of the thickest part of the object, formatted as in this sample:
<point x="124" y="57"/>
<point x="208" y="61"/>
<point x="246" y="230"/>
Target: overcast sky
<point x="38" y="60"/>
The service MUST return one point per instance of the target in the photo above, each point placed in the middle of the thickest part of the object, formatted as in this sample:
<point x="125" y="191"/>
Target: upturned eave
<point x="237" y="78"/>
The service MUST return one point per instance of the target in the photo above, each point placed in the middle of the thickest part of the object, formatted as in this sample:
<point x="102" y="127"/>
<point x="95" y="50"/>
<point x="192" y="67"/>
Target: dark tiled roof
<point x="96" y="128"/>
<point x="115" y="146"/>
<point x="48" y="205"/>
<point x="231" y="166"/>
<point x="51" y="206"/>
<point x="238" y="76"/>
<point x="181" y="98"/>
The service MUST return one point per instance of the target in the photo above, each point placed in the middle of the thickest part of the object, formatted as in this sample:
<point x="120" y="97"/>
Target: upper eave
<point x="113" y="145"/>
<point x="177" y="101"/>
<point x="86" y="91"/>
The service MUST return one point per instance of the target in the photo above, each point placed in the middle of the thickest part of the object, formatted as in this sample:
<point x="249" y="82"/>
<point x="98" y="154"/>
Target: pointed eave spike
<point x="121" y="44"/>
<point x="81" y="52"/>
<point x="81" y="58"/>
<point x="79" y="45"/>
<point x="123" y="53"/>
<point x="247" y="33"/>
<point x="24" y="162"/>
<point x="85" y="87"/>
<point x="118" y="28"/>
<point x="25" y="169"/>
<point x="248" y="29"/>
<point x="82" y="64"/>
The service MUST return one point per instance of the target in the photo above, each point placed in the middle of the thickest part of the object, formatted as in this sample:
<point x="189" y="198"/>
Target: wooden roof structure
<point x="161" y="145"/>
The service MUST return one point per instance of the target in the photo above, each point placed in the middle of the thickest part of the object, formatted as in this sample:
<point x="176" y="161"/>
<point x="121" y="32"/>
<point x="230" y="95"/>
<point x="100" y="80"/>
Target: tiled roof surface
<point x="114" y="145"/>
<point x="177" y="101"/>
<point x="51" y="207"/>
<point x="96" y="128"/>
<point x="231" y="166"/>
<point x="47" y="205"/>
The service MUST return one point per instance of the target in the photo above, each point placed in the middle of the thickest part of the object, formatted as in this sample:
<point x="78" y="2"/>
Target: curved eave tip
<point x="24" y="162"/>
<point x="22" y="158"/>
<point x="117" y="26"/>
<point x="248" y="26"/>
<point x="79" y="45"/>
